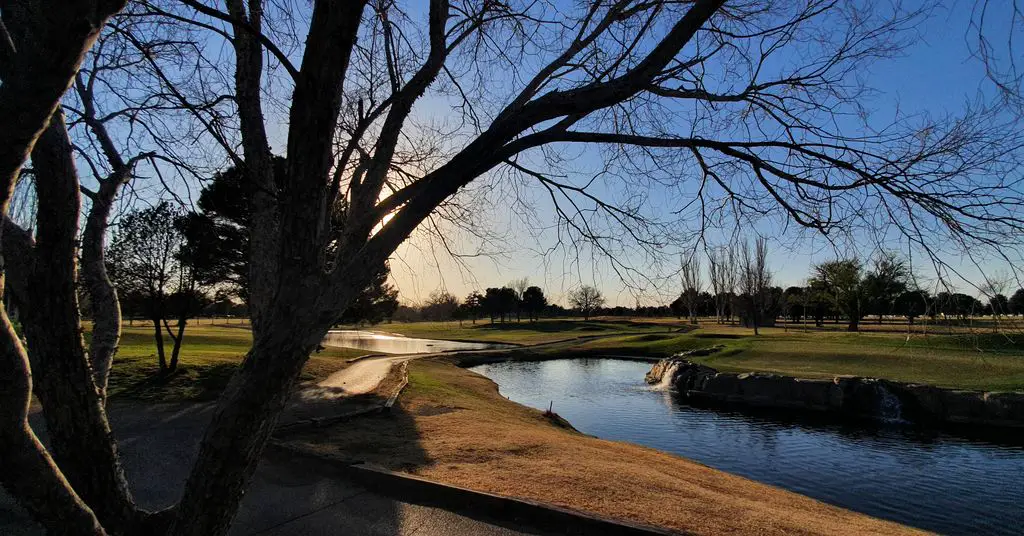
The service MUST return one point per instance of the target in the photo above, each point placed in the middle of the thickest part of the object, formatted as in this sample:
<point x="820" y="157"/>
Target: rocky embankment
<point x="848" y="396"/>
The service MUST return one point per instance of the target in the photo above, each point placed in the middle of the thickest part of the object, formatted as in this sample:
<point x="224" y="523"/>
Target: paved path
<point x="289" y="494"/>
<point x="364" y="375"/>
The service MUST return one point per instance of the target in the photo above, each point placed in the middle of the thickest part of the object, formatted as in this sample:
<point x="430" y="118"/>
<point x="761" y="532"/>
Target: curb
<point x="457" y="499"/>
<point x="405" y="382"/>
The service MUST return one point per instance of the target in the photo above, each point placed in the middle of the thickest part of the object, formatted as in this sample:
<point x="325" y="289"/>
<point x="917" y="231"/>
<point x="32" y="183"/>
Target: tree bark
<point x="28" y="472"/>
<point x="81" y="440"/>
<point x="106" y="309"/>
<point x="247" y="413"/>
<point x="176" y="348"/>
<point x="158" y="339"/>
<point x="264" y="241"/>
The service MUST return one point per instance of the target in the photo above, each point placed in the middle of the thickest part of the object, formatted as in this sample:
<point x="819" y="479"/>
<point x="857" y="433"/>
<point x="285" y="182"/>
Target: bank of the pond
<point x="452" y="425"/>
<point x="871" y="398"/>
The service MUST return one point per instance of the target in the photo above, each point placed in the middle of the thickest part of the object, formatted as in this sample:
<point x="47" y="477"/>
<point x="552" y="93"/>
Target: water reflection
<point x="925" y="478"/>
<point x="397" y="344"/>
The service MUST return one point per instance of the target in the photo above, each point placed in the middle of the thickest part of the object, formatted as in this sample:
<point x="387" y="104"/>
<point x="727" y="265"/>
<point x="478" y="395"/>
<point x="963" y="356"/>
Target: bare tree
<point x="754" y="281"/>
<point x="586" y="298"/>
<point x="693" y="285"/>
<point x="667" y="88"/>
<point x="519" y="286"/>
<point x="716" y="275"/>
<point x="723" y="271"/>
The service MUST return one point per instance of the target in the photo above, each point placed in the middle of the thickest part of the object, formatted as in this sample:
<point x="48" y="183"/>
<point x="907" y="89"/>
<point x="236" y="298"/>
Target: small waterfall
<point x="667" y="377"/>
<point x="890" y="409"/>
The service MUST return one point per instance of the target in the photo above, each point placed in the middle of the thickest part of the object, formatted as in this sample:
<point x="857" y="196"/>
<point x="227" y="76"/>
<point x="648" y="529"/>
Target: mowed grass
<point x="524" y="332"/>
<point x="209" y="355"/>
<point x="453" y="426"/>
<point x="985" y="361"/>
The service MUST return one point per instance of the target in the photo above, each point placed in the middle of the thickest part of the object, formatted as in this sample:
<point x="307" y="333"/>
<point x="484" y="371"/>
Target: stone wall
<point x="849" y="396"/>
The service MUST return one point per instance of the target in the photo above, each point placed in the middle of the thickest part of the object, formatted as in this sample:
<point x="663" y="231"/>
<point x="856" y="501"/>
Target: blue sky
<point x="936" y="75"/>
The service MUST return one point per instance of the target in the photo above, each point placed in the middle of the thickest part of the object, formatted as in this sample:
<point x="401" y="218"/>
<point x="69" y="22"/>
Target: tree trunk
<point x="158" y="340"/>
<point x="854" y="324"/>
<point x="245" y="417"/>
<point x="29" y="473"/>
<point x="106" y="309"/>
<point x="176" y="350"/>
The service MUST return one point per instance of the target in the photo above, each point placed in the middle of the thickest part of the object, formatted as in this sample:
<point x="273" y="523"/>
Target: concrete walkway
<point x="363" y="376"/>
<point x="289" y="494"/>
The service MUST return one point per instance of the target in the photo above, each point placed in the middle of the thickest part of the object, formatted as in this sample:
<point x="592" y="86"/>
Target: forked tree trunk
<point x="178" y="338"/>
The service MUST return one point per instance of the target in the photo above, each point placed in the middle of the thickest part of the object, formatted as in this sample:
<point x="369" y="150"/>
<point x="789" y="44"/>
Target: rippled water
<point x="397" y="344"/>
<point x="930" y="480"/>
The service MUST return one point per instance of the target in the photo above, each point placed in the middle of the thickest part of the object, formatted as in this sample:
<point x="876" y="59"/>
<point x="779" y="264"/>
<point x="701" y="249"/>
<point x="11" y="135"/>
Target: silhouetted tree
<point x="795" y="303"/>
<point x="534" y="302"/>
<point x="586" y="300"/>
<point x="1017" y="302"/>
<point x="473" y="305"/>
<point x="999" y="305"/>
<point x="499" y="302"/>
<point x="377" y="303"/>
<point x="146" y="263"/>
<point x="913" y="303"/>
<point x="518" y="286"/>
<point x="441" y="305"/>
<point x="217" y="242"/>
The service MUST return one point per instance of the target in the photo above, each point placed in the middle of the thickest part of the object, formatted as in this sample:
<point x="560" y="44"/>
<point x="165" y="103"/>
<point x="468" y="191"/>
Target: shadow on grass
<point x="195" y="383"/>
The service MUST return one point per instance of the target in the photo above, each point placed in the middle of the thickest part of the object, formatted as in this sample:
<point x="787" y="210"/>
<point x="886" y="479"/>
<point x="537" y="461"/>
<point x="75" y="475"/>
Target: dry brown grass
<point x="453" y="426"/>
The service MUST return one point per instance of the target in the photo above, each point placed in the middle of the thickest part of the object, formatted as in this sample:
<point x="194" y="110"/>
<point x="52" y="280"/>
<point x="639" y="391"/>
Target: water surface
<point x="927" y="479"/>
<point x="397" y="344"/>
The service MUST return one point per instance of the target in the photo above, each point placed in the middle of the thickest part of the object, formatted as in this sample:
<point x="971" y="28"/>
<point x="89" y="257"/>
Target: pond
<point x="927" y="479"/>
<point x="397" y="344"/>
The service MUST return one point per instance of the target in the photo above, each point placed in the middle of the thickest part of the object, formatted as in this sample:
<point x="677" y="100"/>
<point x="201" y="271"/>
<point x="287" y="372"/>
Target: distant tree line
<point x="518" y="300"/>
<point x="839" y="290"/>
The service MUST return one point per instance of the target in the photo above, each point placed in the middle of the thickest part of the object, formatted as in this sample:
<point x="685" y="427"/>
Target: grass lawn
<point x="525" y="332"/>
<point x="209" y="355"/>
<point x="453" y="426"/>
<point x="968" y="361"/>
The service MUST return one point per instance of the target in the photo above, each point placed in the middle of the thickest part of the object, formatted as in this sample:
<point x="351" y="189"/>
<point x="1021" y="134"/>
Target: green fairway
<point x="968" y="361"/>
<point x="524" y="332"/>
<point x="209" y="355"/>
